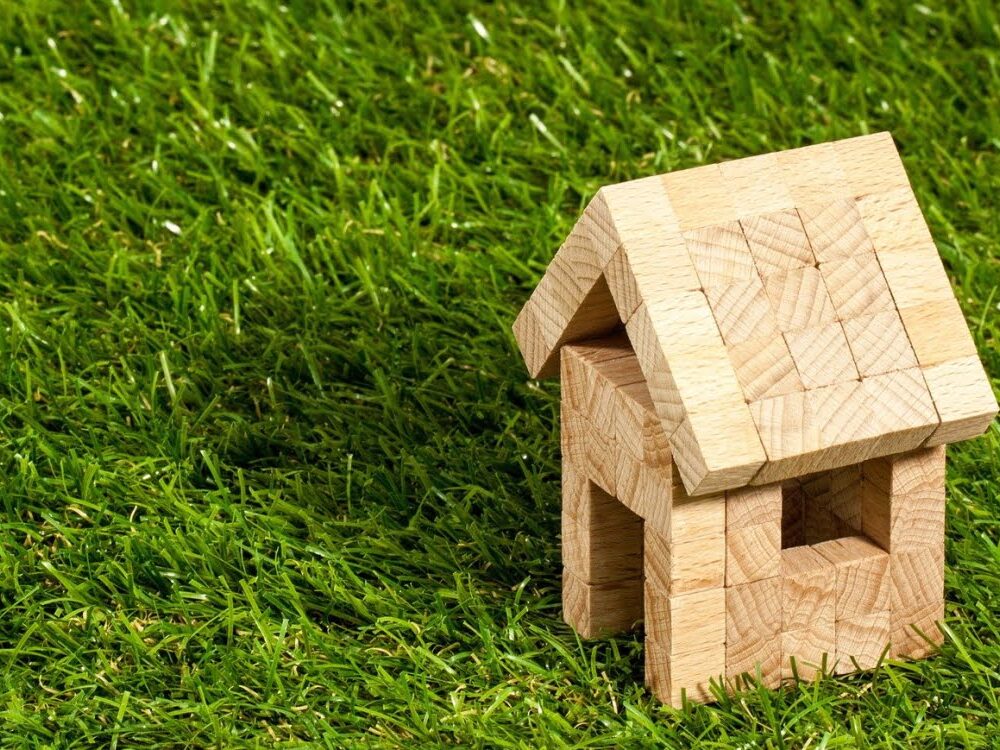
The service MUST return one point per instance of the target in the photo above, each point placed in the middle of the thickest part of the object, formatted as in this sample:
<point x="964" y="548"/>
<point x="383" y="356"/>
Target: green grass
<point x="272" y="470"/>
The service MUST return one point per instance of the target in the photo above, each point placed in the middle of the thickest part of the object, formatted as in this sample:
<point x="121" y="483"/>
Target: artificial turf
<point x="272" y="469"/>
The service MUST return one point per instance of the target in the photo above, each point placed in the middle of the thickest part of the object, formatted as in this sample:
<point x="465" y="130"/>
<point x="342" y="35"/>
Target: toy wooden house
<point x="761" y="363"/>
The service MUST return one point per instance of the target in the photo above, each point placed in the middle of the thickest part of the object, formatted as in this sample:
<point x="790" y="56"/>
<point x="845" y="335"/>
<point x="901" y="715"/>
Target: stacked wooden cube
<point x="828" y="571"/>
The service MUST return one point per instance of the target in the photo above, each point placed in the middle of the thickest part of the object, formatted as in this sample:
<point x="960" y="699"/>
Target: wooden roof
<point x="790" y="312"/>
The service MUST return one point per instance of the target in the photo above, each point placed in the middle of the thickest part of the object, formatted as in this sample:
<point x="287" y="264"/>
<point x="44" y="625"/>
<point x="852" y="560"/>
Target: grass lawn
<point x="272" y="469"/>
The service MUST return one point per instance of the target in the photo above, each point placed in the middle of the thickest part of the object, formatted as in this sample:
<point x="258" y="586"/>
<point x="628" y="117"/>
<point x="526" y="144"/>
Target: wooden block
<point x="629" y="423"/>
<point x="648" y="495"/>
<point x="799" y="299"/>
<point x="879" y="343"/>
<point x="596" y="316"/>
<point x="818" y="520"/>
<point x="649" y="234"/>
<point x="660" y="383"/>
<point x="690" y="463"/>
<point x="660" y="267"/>
<point x="757" y="185"/>
<point x="638" y="430"/>
<point x="749" y="506"/>
<point x="715" y="446"/>
<point x="871" y="163"/>
<point x="790" y="436"/>
<point x="700" y="197"/>
<point x="753" y="627"/>
<point x="862" y="641"/>
<point x="752" y="553"/>
<point x="570" y="276"/>
<point x="592" y="387"/>
<point x="672" y="678"/>
<point x="628" y="478"/>
<point x="601" y="458"/>
<point x="914" y="632"/>
<point x="894" y="221"/>
<point x="938" y="332"/>
<point x="917" y="577"/>
<point x="574" y="432"/>
<point x="692" y="345"/>
<point x="777" y="242"/>
<point x="621" y="282"/>
<point x="685" y="623"/>
<point x="821" y="355"/>
<point x="862" y="575"/>
<point x="814" y="430"/>
<point x="857" y="286"/>
<point x="764" y="368"/>
<point x="742" y="311"/>
<point x="530" y="339"/>
<point x="594" y="610"/>
<point x="899" y="511"/>
<point x="720" y="255"/>
<point x="915" y="276"/>
<point x="877" y="515"/>
<point x="567" y="308"/>
<point x="573" y="484"/>
<point x="835" y="229"/>
<point x="963" y="397"/>
<point x="808" y="589"/>
<point x="721" y="450"/>
<point x="684" y="566"/>
<point x="697" y="517"/>
<point x="600" y="349"/>
<point x="656" y="493"/>
<point x="602" y="540"/>
<point x="806" y="652"/>
<point x="575" y="382"/>
<point x="878" y="472"/>
<point x="903" y="413"/>
<point x="598" y="226"/>
<point x="813" y="175"/>
<point x="612" y="374"/>
<point x="918" y="475"/>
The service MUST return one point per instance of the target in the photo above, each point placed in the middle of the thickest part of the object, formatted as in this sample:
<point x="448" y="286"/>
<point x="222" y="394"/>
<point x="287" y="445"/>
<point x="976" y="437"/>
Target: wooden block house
<point x="761" y="363"/>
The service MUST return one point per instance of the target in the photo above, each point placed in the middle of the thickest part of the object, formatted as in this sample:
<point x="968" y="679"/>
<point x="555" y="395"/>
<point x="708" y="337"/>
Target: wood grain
<point x="862" y="575"/>
<point x="757" y="185"/>
<point x="595" y="610"/>
<point x="857" y="286"/>
<point x="753" y="629"/>
<point x="765" y="368"/>
<point x="879" y="343"/>
<point x="871" y="163"/>
<point x="938" y="332"/>
<point x="963" y="397"/>
<point x="742" y="311"/>
<point x="720" y="255"/>
<point x="777" y="242"/>
<point x="835" y="229"/>
<point x="808" y="588"/>
<point x="685" y="566"/>
<point x="799" y="299"/>
<point x="862" y="640"/>
<point x="821" y="355"/>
